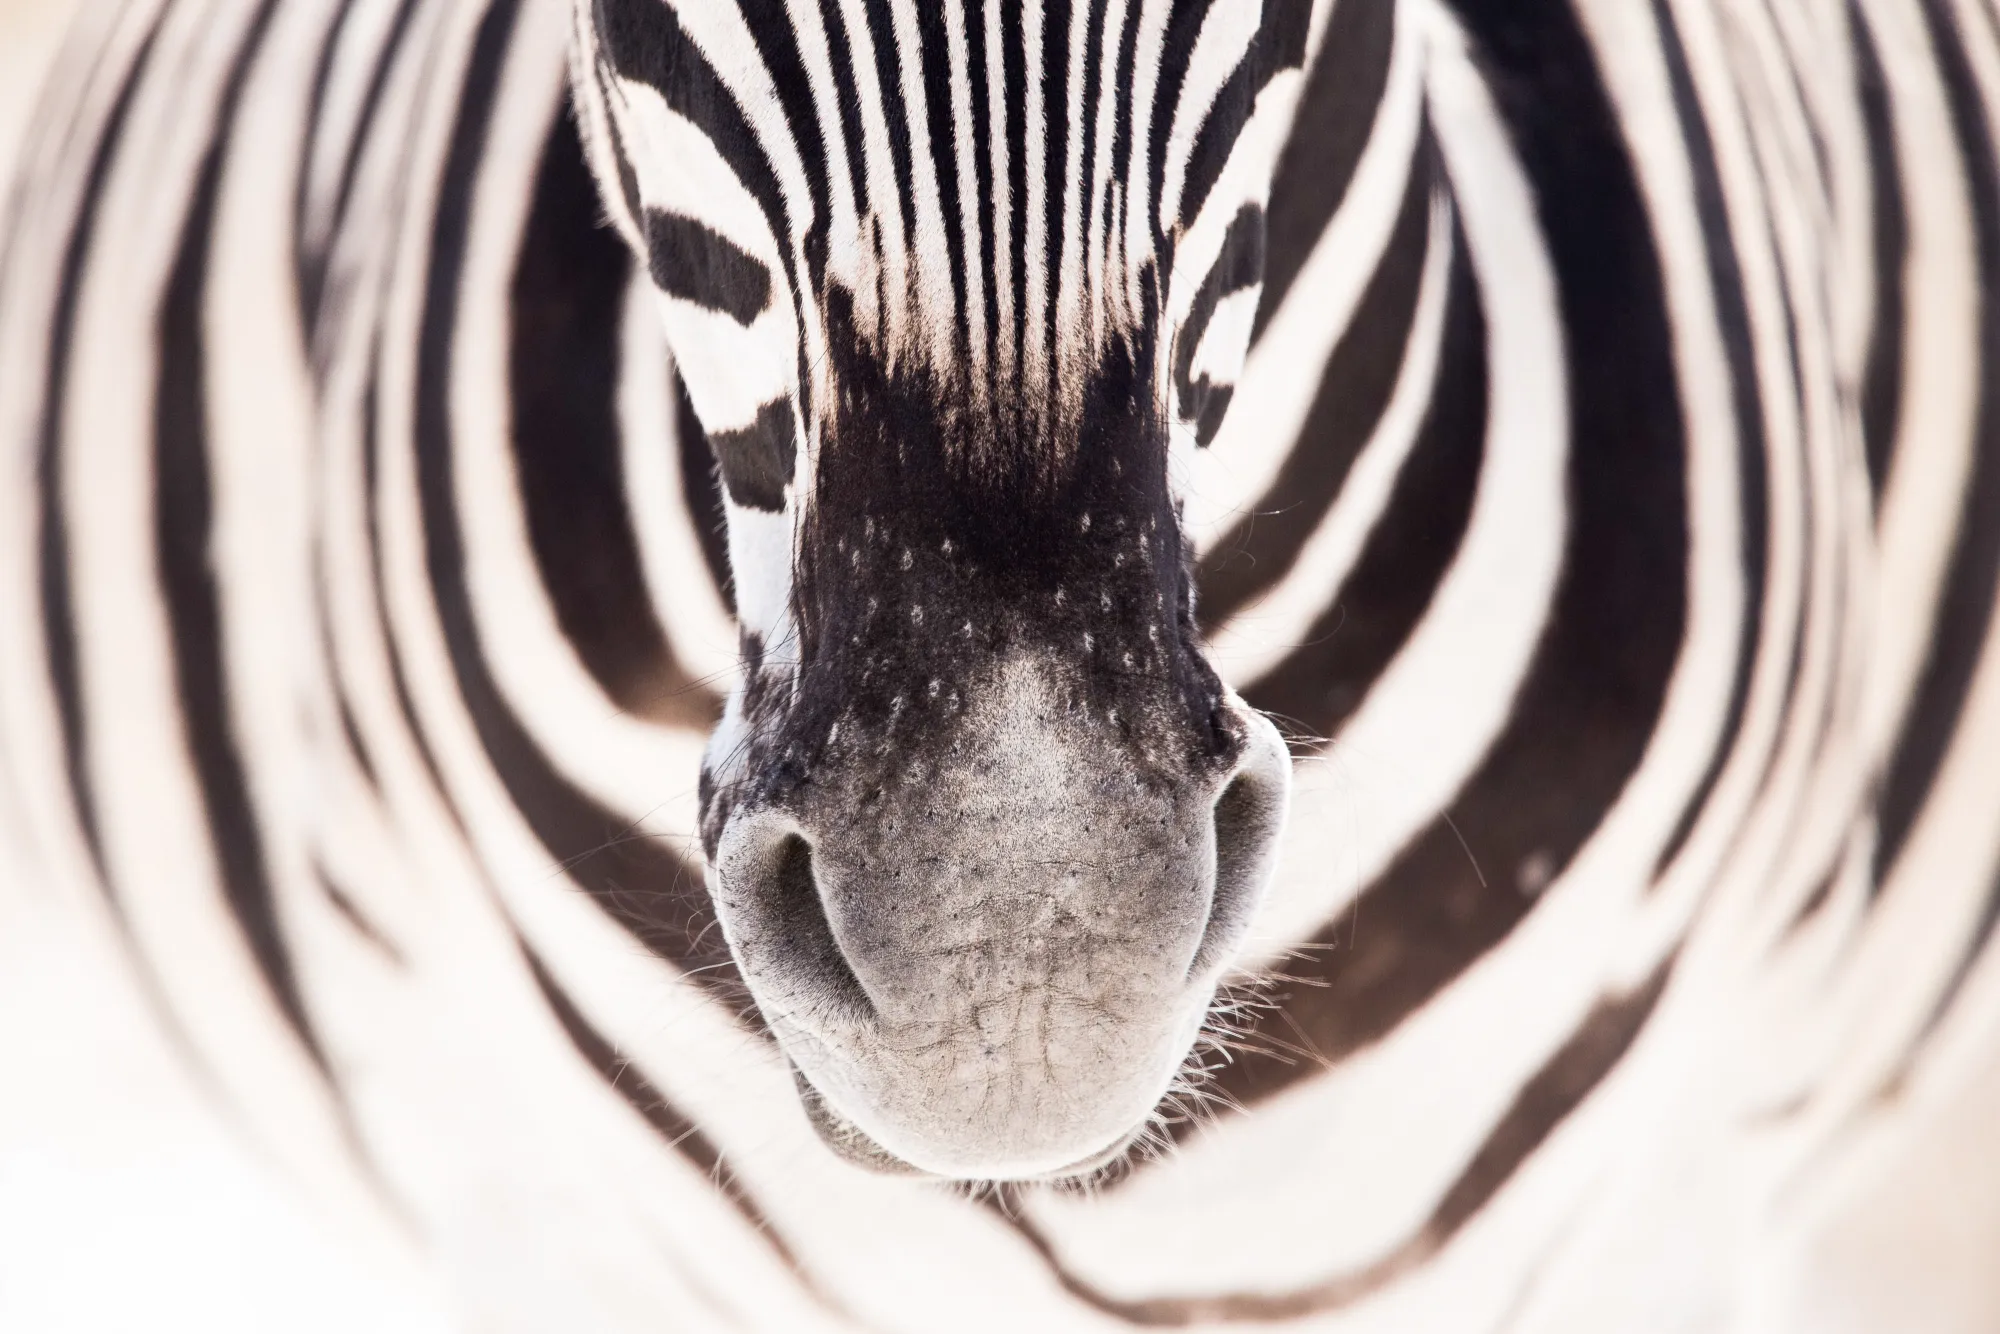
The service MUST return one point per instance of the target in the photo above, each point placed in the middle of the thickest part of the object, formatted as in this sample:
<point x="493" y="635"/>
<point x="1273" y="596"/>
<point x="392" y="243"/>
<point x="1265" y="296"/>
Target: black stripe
<point x="1335" y="118"/>
<point x="1386" y="594"/>
<point x="944" y="159"/>
<point x="1725" y="278"/>
<point x="1281" y="37"/>
<point x="349" y="729"/>
<point x="1810" y="519"/>
<point x="1239" y="264"/>
<point x="647" y="45"/>
<point x="976" y="75"/>
<point x="371" y="481"/>
<point x="305" y="275"/>
<point x="1544" y="1102"/>
<point x="841" y="56"/>
<point x="771" y="29"/>
<point x="58" y="611"/>
<point x="1882" y="384"/>
<point x="1795" y="94"/>
<point x="351" y="913"/>
<point x="52" y="556"/>
<point x="1820" y="895"/>
<point x="701" y="486"/>
<point x="1792" y="635"/>
<point x="1014" y="73"/>
<point x="311" y="269"/>
<point x="570" y="284"/>
<point x="1176" y="47"/>
<point x="1966" y="606"/>
<point x="882" y="37"/>
<point x="757" y="460"/>
<point x="1088" y="199"/>
<point x="1539" y="1107"/>
<point x="640" y="882"/>
<point x="1591" y="699"/>
<point x="1279" y="44"/>
<point x="1121" y="135"/>
<point x="628" y="179"/>
<point x="323" y="624"/>
<point x="689" y="261"/>
<point x="1055" y="115"/>
<point x="184" y="512"/>
<point x="1354" y="391"/>
<point x="1217" y="137"/>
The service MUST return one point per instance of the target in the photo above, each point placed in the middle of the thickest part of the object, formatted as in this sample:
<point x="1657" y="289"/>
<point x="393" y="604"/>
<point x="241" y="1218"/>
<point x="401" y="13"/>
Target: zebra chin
<point x="996" y="971"/>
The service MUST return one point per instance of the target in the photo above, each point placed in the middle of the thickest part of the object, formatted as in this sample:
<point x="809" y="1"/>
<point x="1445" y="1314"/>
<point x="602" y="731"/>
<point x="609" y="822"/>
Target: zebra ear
<point x="596" y="126"/>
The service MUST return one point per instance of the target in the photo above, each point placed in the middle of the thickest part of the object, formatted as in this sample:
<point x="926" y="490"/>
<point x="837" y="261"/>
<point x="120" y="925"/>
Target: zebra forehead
<point x="994" y="201"/>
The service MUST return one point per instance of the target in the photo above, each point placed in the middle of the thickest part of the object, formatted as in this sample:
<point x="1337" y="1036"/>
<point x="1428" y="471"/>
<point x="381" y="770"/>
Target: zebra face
<point x="983" y="827"/>
<point x="983" y="842"/>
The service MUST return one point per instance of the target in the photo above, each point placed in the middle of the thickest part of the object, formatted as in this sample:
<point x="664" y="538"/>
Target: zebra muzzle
<point x="995" y="966"/>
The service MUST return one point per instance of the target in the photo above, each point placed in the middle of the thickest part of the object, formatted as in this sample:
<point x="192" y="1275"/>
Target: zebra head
<point x="951" y="285"/>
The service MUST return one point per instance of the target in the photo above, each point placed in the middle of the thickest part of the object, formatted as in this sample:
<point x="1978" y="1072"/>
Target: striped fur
<point x="982" y="826"/>
<point x="1607" y="506"/>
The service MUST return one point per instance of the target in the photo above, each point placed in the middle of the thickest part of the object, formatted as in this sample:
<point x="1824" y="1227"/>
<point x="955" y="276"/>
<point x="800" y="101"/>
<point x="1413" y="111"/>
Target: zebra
<point x="422" y="547"/>
<point x="983" y="827"/>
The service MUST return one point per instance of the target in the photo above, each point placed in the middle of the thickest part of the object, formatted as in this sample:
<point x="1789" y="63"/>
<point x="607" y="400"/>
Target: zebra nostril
<point x="1249" y="817"/>
<point x="776" y="918"/>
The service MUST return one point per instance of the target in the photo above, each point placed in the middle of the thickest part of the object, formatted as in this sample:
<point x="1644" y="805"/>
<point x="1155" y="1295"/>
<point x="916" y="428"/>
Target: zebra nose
<point x="1249" y="820"/>
<point x="994" y="970"/>
<point x="769" y="900"/>
<point x="772" y="893"/>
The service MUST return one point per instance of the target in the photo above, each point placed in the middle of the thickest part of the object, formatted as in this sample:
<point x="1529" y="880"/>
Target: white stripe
<point x="721" y="33"/>
<point x="1036" y="367"/>
<point x="1073" y="354"/>
<point x="937" y="304"/>
<point x="151" y="811"/>
<point x="1219" y="483"/>
<point x="1244" y="179"/>
<point x="1940" y="368"/>
<point x="1152" y="20"/>
<point x="1100" y="187"/>
<point x="972" y="250"/>
<point x="1007" y="355"/>
<point x="1426" y="721"/>
<point x="640" y="771"/>
<point x="357" y="48"/>
<point x="698" y="626"/>
<point x="1258" y="638"/>
<point x="1223" y="44"/>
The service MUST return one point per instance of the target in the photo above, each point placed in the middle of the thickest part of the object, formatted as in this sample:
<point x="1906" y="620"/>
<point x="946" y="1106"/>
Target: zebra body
<point x="1612" y="478"/>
